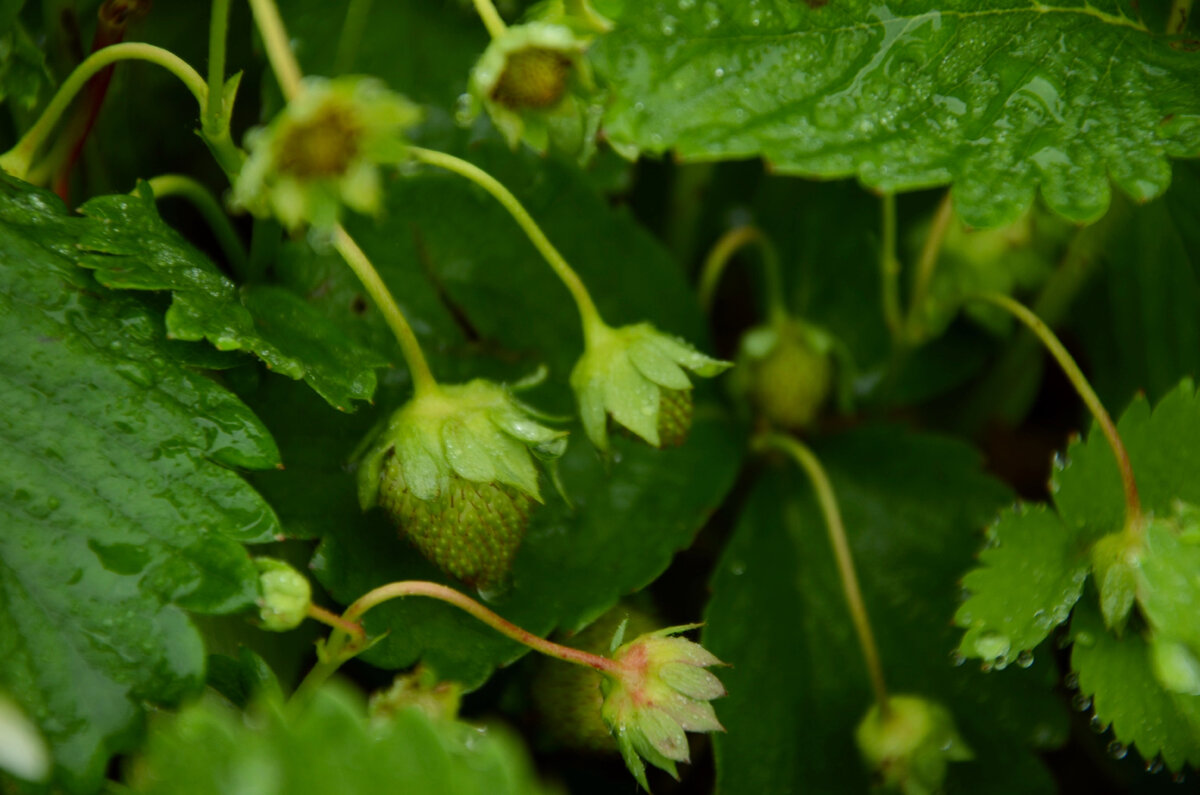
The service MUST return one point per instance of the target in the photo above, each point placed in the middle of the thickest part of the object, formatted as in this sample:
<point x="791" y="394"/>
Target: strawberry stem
<point x="720" y="255"/>
<point x="808" y="461"/>
<point x="332" y="619"/>
<point x="491" y="18"/>
<point x="210" y="210"/>
<point x="1133" y="503"/>
<point x="889" y="270"/>
<point x="18" y="160"/>
<point x="593" y="325"/>
<point x="341" y="647"/>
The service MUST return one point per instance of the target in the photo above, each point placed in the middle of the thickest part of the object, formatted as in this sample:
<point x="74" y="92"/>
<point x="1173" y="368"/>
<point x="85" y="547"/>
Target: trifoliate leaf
<point x="329" y="746"/>
<point x="1119" y="676"/>
<point x="797" y="691"/>
<point x="996" y="98"/>
<point x="1164" y="447"/>
<point x="116" y="501"/>
<point x="130" y="247"/>
<point x="1032" y="574"/>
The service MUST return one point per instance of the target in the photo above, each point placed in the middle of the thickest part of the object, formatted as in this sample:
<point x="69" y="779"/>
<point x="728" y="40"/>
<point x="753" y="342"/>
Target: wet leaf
<point x="995" y="98"/>
<point x="117" y="498"/>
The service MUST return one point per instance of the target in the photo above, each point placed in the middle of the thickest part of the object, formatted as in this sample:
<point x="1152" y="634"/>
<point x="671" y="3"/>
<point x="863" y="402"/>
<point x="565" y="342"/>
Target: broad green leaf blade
<point x="1032" y="574"/>
<point x="481" y="279"/>
<point x="329" y="746"/>
<point x="797" y="684"/>
<point x="130" y="247"/>
<point x="117" y="506"/>
<point x="995" y="98"/>
<point x="1126" y="694"/>
<point x="1164" y="447"/>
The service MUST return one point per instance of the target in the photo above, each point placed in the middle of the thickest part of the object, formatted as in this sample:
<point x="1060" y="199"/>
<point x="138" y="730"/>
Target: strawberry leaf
<point x="994" y="98"/>
<point x="1032" y="575"/>
<point x="117" y="501"/>
<point x="911" y="505"/>
<point x="1119" y="677"/>
<point x="131" y="248"/>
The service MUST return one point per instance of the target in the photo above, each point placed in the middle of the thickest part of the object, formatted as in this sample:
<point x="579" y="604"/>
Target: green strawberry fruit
<point x="785" y="372"/>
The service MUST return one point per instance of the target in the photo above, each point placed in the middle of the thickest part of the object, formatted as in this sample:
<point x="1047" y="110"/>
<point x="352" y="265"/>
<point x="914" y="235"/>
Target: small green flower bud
<point x="910" y="747"/>
<point x="636" y="375"/>
<point x="323" y="150"/>
<point x="454" y="470"/>
<point x="536" y="86"/>
<point x="567" y="697"/>
<point x="660" y="691"/>
<point x="286" y="595"/>
<point x="785" y="371"/>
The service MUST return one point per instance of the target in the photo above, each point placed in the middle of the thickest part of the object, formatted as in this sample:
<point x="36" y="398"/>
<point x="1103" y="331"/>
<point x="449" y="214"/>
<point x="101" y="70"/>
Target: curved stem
<point x="422" y="376"/>
<point x="1133" y="503"/>
<point x="353" y="25"/>
<point x="811" y="465"/>
<point x="926" y="265"/>
<point x="341" y="647"/>
<point x="17" y="160"/>
<point x="491" y="18"/>
<point x="279" y="52"/>
<point x="889" y="269"/>
<point x="720" y="255"/>
<point x="210" y="209"/>
<point x="593" y="325"/>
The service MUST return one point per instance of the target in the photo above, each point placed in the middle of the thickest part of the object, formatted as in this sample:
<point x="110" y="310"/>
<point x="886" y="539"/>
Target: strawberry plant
<point x="590" y="395"/>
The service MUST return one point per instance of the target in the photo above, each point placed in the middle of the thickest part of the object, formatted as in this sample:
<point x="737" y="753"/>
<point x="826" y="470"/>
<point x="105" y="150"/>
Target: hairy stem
<point x="353" y="25"/>
<point x="889" y="269"/>
<point x="1133" y="503"/>
<point x="210" y="209"/>
<point x="279" y="52"/>
<point x="593" y="325"/>
<point x="423" y="380"/>
<point x="721" y="254"/>
<point x="341" y="647"/>
<point x="17" y="160"/>
<point x="491" y="18"/>
<point x="808" y="461"/>
<point x="926" y="266"/>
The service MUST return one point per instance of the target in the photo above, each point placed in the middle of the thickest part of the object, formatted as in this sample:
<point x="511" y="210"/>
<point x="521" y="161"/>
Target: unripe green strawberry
<point x="567" y="698"/>
<point x="635" y="375"/>
<point x="785" y="371"/>
<point x="910" y="746"/>
<point x="470" y="530"/>
<point x="286" y="595"/>
<point x="454" y="470"/>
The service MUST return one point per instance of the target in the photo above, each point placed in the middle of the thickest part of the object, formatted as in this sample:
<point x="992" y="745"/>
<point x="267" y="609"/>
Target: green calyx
<point x="454" y="470"/>
<point x="567" y="698"/>
<point x="323" y="151"/>
<point x="636" y="374"/>
<point x="785" y="371"/>
<point x="477" y="432"/>
<point x="536" y="87"/>
<point x="419" y="689"/>
<point x="286" y="595"/>
<point x="659" y="691"/>
<point x="910" y="746"/>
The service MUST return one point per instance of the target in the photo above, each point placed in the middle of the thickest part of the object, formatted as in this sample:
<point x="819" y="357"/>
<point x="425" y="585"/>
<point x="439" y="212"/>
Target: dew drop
<point x="1081" y="702"/>
<point x="1025" y="658"/>
<point x="1178" y="778"/>
<point x="737" y="568"/>
<point x="1154" y="766"/>
<point x="1071" y="681"/>
<point x="1098" y="725"/>
<point x="1117" y="750"/>
<point x="718" y="73"/>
